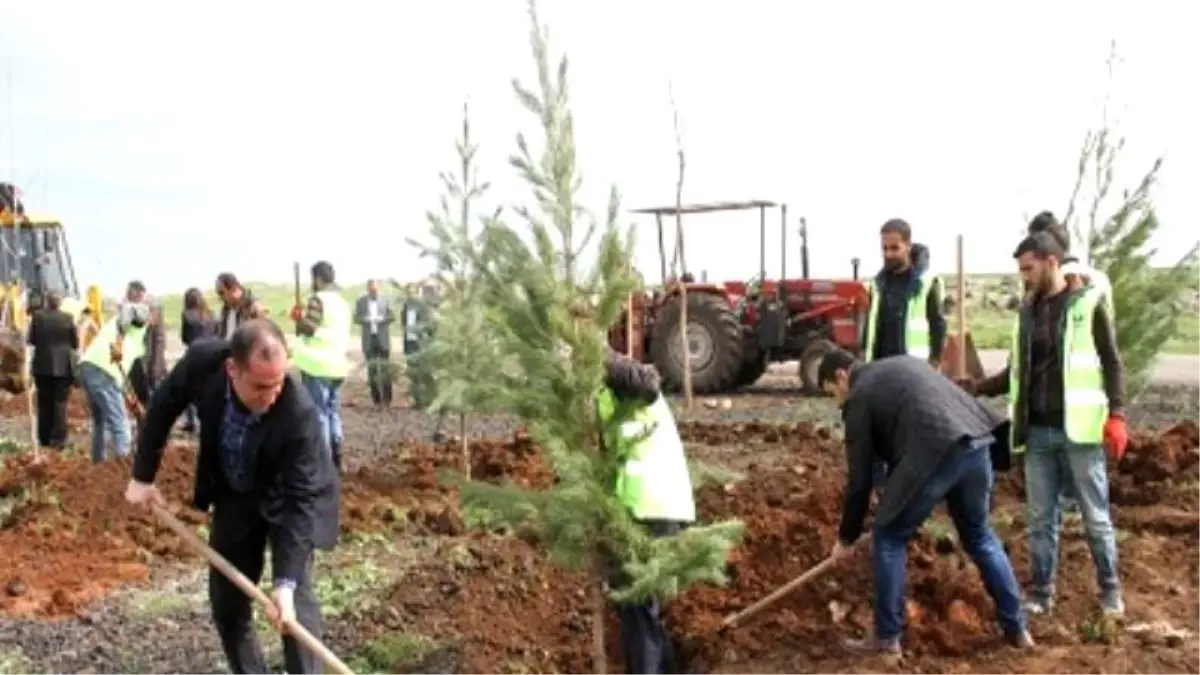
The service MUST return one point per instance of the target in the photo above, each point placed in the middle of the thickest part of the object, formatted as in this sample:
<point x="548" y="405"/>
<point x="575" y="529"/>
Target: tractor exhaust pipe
<point x="804" y="248"/>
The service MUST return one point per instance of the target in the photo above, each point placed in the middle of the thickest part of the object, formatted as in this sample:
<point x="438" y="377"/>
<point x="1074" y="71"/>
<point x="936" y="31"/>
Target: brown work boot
<point x="1020" y="640"/>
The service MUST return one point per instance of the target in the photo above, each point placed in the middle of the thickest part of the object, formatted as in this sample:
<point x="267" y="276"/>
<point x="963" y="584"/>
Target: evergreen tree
<point x="462" y="356"/>
<point x="1147" y="302"/>
<point x="532" y="282"/>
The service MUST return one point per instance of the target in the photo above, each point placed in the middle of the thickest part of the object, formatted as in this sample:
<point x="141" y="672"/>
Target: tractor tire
<point x="716" y="333"/>
<point x="810" y="362"/>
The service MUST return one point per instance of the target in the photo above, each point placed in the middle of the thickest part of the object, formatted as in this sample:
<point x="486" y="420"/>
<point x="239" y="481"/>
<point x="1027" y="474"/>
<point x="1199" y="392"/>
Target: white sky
<point x="243" y="136"/>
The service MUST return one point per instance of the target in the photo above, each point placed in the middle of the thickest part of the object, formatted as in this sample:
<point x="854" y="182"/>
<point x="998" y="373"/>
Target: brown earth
<point x="503" y="607"/>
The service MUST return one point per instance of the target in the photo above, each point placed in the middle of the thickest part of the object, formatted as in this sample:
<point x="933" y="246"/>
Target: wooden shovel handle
<point x="251" y="589"/>
<point x="820" y="568"/>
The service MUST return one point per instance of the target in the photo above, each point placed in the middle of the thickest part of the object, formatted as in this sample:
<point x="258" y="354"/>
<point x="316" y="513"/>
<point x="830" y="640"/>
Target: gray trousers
<point x="240" y="534"/>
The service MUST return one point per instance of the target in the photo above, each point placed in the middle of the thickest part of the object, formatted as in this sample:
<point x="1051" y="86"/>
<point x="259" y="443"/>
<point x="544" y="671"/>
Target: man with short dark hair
<point x="373" y="313"/>
<point x="323" y="329"/>
<point x="238" y="304"/>
<point x="905" y="314"/>
<point x="1065" y="386"/>
<point x="940" y="445"/>
<point x="264" y="470"/>
<point x="55" y="342"/>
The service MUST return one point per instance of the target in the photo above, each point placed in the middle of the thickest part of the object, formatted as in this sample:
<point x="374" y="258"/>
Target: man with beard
<point x="905" y="314"/>
<point x="1065" y="386"/>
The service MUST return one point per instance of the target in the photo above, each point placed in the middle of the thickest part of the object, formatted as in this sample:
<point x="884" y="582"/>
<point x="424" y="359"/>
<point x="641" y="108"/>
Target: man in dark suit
<point x="373" y="314"/>
<point x="939" y="444"/>
<point x="265" y="469"/>
<point x="55" y="343"/>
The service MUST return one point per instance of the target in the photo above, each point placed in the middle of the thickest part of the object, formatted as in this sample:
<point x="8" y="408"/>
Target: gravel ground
<point x="124" y="634"/>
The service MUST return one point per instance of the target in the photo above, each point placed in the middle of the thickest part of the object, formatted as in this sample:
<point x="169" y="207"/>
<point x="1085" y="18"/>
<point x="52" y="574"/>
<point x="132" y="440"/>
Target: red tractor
<point x="737" y="328"/>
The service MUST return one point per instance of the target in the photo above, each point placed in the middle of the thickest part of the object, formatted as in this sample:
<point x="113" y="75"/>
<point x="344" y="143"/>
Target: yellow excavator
<point x="34" y="261"/>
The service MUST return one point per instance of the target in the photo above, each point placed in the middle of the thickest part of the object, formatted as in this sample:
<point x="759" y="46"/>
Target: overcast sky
<point x="177" y="143"/>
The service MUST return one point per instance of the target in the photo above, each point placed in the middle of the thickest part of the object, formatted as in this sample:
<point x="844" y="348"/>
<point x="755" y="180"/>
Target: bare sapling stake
<point x="679" y="265"/>
<point x="961" y="370"/>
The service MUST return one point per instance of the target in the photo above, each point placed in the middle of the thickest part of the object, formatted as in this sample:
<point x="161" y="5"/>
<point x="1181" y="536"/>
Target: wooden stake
<point x="961" y="370"/>
<point x="305" y="638"/>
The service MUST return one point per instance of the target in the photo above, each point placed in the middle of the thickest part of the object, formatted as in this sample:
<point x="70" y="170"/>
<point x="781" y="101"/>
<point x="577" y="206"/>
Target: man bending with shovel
<point x="266" y="471"/>
<point x="938" y="443"/>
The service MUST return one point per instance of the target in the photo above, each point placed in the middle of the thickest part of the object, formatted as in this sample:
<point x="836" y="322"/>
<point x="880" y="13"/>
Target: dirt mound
<point x="68" y="536"/>
<point x="791" y="520"/>
<point x="503" y="602"/>
<point x="1156" y="464"/>
<point x="751" y="432"/>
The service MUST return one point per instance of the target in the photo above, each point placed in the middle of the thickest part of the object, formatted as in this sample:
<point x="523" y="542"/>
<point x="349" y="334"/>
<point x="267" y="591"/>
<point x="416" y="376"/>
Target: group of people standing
<point x="934" y="442"/>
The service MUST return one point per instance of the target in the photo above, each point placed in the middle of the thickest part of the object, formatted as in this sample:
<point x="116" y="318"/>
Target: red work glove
<point x="297" y="313"/>
<point x="1116" y="436"/>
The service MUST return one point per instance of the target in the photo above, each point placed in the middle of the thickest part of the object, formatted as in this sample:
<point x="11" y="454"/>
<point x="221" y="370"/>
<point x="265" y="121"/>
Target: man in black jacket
<point x="938" y="442"/>
<point x="265" y="470"/>
<point x="55" y="341"/>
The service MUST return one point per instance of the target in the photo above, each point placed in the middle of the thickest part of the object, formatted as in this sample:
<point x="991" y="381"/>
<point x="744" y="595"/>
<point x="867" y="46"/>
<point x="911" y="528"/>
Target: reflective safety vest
<point x="1085" y="403"/>
<point x="99" y="351"/>
<point x="916" y="323"/>
<point x="323" y="354"/>
<point x="653" y="482"/>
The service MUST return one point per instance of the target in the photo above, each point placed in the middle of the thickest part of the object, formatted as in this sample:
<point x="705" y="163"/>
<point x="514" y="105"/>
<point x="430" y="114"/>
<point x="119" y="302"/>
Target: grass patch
<point x="12" y="660"/>
<point x="152" y="604"/>
<point x="392" y="653"/>
<point x="705" y="474"/>
<point x="277" y="298"/>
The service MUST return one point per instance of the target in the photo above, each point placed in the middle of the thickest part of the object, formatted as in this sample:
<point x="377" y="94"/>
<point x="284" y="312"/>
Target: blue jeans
<point x="327" y="394"/>
<point x="964" y="481"/>
<point x="1053" y="462"/>
<point x="107" y="403"/>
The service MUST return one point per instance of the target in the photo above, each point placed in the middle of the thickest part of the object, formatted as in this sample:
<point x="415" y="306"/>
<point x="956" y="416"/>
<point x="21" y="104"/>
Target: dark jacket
<point x="246" y="309"/>
<point x="155" y="360"/>
<point x="907" y="414"/>
<point x="196" y="326"/>
<point x="383" y="328"/>
<point x="417" y="334"/>
<point x="55" y="341"/>
<point x="295" y="483"/>
<point x="895" y="292"/>
<point x="1104" y="332"/>
<point x="630" y="379"/>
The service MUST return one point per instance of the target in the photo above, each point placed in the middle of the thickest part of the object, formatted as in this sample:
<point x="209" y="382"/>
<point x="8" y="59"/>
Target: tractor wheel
<point x="714" y="344"/>
<point x="810" y="361"/>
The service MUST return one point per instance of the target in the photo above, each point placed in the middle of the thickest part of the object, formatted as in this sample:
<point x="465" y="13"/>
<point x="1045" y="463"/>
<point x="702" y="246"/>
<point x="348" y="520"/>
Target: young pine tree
<point x="1148" y="303"/>
<point x="462" y="356"/>
<point x="532" y="282"/>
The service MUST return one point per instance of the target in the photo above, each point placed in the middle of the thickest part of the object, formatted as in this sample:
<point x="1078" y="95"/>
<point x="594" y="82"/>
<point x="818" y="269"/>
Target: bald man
<point x="263" y="469"/>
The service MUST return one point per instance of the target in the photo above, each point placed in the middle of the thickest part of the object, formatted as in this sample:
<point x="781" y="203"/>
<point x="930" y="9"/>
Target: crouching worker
<point x="265" y="471"/>
<point x="938" y="441"/>
<point x="655" y="485"/>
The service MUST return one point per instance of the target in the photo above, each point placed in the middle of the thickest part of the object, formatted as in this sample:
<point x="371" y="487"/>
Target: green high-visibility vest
<point x="323" y="354"/>
<point x="99" y="351"/>
<point x="1085" y="403"/>
<point x="653" y="482"/>
<point x="916" y="323"/>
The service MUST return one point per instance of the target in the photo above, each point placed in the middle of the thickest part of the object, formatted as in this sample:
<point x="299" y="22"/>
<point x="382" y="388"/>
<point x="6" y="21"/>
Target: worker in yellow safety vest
<point x="1064" y="383"/>
<point x="905" y="312"/>
<point x="103" y="369"/>
<point x="323" y="330"/>
<point x="653" y="483"/>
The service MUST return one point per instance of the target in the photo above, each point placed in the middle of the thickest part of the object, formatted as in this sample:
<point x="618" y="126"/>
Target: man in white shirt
<point x="373" y="314"/>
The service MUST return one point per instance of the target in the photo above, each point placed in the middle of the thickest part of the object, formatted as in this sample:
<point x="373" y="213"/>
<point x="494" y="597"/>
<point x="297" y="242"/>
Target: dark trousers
<point x="241" y="535"/>
<point x="644" y="639"/>
<point x="379" y="371"/>
<point x="52" y="395"/>
<point x="964" y="481"/>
